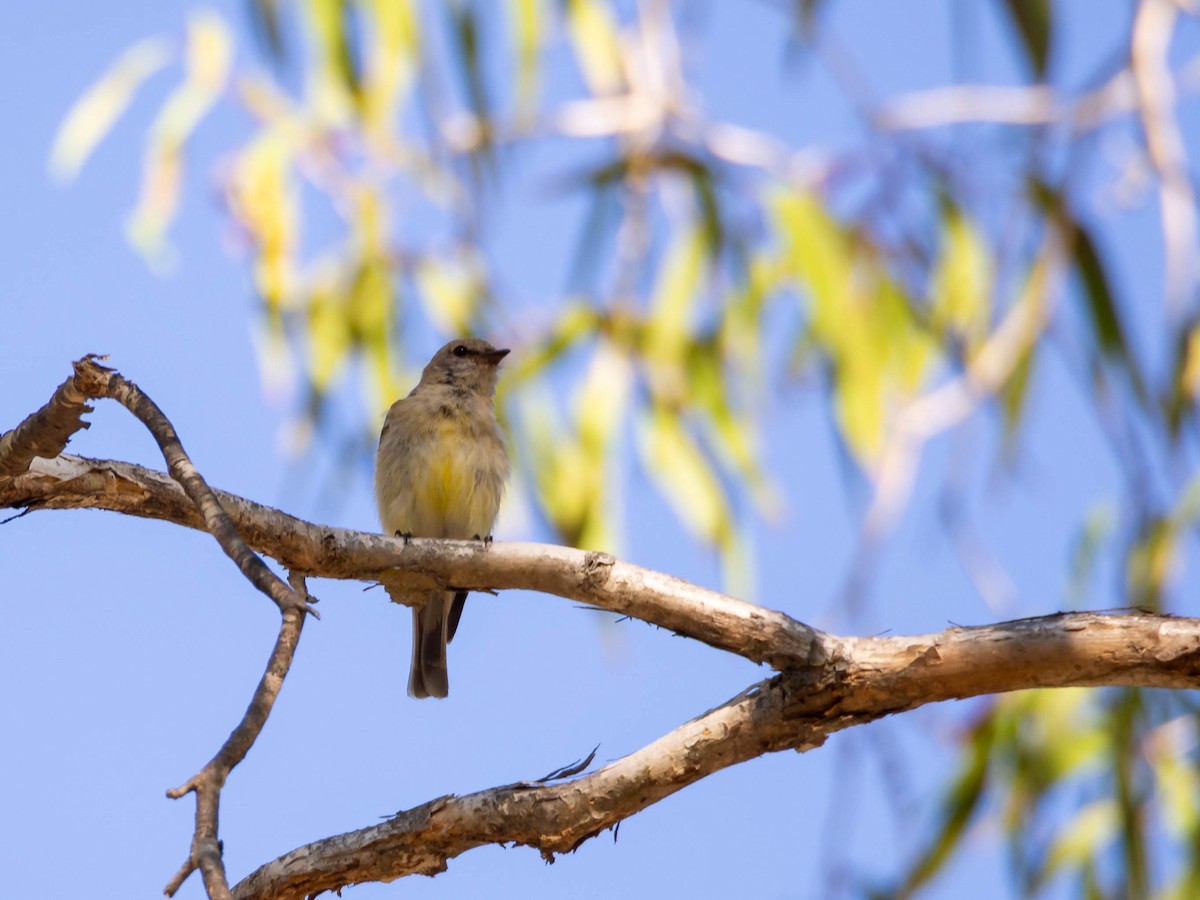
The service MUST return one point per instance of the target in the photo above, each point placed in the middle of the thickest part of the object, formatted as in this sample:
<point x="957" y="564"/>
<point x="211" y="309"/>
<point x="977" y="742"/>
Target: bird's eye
<point x="460" y="350"/>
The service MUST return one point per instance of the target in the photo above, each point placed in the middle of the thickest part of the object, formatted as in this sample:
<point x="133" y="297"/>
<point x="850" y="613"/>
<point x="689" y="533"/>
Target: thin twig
<point x="45" y="434"/>
<point x="179" y="465"/>
<point x="207" y="783"/>
<point x="1153" y="25"/>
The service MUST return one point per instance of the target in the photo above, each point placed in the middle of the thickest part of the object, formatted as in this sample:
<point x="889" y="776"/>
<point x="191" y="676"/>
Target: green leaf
<point x="1034" y="21"/>
<point x="1097" y="529"/>
<point x="601" y="408"/>
<point x="962" y="802"/>
<point x="574" y="324"/>
<point x="370" y="311"/>
<point x="734" y="437"/>
<point x="859" y="315"/>
<point x="574" y="467"/>
<point x="329" y="337"/>
<point x="1126" y="725"/>
<point x="1185" y="379"/>
<point x="1103" y="312"/>
<point x="1177" y="780"/>
<point x="1013" y="395"/>
<point x="268" y="26"/>
<point x="1083" y="838"/>
<point x="1151" y="561"/>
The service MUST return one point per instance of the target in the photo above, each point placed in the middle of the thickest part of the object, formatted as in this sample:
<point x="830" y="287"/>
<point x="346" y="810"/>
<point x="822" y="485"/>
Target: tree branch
<point x="759" y="634"/>
<point x="865" y="679"/>
<point x="826" y="683"/>
<point x="45" y="433"/>
<point x="205" y="852"/>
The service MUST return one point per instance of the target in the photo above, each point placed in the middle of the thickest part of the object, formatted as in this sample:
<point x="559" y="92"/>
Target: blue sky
<point x="130" y="648"/>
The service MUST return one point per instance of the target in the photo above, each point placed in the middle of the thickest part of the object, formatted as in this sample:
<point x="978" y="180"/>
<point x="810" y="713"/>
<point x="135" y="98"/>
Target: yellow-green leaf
<point x="962" y="281"/>
<point x="734" y="436"/>
<point x="329" y="337"/>
<point x="208" y="59"/>
<point x="593" y="30"/>
<point x="685" y="476"/>
<point x="1169" y="749"/>
<point x="815" y="250"/>
<point x="264" y="200"/>
<point x="576" y="322"/>
<point x="527" y="25"/>
<point x="392" y="62"/>
<point x="1090" y="830"/>
<point x="333" y="87"/>
<point x="449" y="292"/>
<point x="95" y="113"/>
<point x="1151" y="562"/>
<point x="672" y="311"/>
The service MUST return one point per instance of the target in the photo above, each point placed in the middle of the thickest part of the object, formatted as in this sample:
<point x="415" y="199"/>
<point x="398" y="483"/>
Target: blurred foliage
<point x="715" y="263"/>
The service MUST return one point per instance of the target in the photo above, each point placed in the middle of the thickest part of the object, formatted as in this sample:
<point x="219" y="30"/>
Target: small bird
<point x="439" y="473"/>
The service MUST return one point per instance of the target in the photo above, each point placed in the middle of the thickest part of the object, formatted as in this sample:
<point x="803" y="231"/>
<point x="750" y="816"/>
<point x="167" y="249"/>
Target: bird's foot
<point x="405" y="536"/>
<point x="486" y="540"/>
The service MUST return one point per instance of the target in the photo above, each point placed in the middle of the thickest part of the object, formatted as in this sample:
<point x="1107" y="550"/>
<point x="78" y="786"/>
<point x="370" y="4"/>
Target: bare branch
<point x="207" y="783"/>
<point x="46" y="432"/>
<point x="759" y="634"/>
<point x="216" y="522"/>
<point x="826" y="683"/>
<point x="866" y="679"/>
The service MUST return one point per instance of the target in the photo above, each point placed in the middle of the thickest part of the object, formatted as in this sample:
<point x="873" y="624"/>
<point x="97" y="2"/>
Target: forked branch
<point x="46" y="433"/>
<point x="825" y="683"/>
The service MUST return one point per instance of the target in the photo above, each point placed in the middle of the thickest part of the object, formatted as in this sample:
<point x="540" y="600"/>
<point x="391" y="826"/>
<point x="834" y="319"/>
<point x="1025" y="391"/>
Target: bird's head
<point x="467" y="364"/>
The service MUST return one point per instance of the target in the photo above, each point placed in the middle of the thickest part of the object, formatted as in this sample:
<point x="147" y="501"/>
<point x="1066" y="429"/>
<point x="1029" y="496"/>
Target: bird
<point x="440" y="473"/>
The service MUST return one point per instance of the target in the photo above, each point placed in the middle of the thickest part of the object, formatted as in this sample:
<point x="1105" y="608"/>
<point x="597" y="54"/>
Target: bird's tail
<point x="428" y="677"/>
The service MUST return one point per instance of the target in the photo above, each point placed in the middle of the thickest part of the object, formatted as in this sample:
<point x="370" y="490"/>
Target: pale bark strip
<point x="759" y="634"/>
<point x="1149" y="51"/>
<point x="866" y="679"/>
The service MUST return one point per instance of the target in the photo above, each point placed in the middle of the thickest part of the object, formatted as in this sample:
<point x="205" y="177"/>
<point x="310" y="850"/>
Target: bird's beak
<point x="494" y="356"/>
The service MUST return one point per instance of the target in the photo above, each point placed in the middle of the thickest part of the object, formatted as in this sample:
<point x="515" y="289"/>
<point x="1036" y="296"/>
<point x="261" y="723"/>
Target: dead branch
<point x="759" y="634"/>
<point x="825" y="683"/>
<point x="46" y="432"/>
<point x="864" y="680"/>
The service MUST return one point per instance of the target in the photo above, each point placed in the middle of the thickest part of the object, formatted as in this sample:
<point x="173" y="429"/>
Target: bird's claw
<point x="405" y="536"/>
<point x="486" y="540"/>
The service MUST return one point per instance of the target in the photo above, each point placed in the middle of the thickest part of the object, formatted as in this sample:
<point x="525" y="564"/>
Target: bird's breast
<point x="445" y="483"/>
